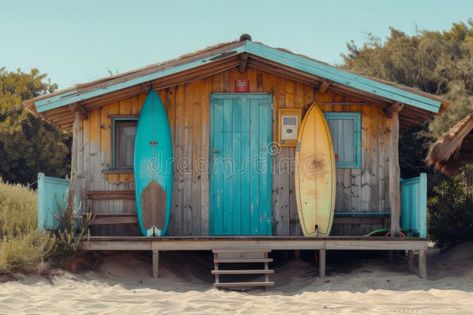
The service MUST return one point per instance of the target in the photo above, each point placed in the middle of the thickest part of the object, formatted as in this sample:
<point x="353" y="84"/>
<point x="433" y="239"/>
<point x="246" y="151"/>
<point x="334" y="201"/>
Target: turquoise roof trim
<point x="298" y="62"/>
<point x="342" y="77"/>
<point x="74" y="96"/>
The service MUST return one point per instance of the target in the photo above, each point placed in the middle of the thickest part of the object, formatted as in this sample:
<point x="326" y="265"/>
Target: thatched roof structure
<point x="454" y="148"/>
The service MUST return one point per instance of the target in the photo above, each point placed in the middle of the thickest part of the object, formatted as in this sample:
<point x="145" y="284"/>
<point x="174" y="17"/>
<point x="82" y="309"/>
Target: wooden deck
<point x="170" y="243"/>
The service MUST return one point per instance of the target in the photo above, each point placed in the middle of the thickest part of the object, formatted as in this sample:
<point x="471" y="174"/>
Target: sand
<point x="122" y="284"/>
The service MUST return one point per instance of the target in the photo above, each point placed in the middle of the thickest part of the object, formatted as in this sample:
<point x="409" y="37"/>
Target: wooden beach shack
<point x="225" y="92"/>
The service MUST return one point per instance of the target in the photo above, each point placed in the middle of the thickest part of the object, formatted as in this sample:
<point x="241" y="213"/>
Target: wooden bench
<point x="109" y="218"/>
<point x="372" y="217"/>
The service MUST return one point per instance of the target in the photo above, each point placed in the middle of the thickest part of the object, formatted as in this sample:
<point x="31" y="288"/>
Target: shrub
<point x="22" y="246"/>
<point x="68" y="239"/>
<point x="450" y="211"/>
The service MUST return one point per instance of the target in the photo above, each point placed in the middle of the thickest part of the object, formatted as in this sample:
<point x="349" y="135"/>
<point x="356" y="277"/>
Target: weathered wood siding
<point x="188" y="108"/>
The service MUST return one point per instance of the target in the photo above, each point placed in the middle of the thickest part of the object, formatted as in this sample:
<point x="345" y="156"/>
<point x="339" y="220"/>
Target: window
<point x="346" y="135"/>
<point x="123" y="145"/>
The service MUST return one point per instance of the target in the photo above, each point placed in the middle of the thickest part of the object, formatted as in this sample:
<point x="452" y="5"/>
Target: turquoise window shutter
<point x="346" y="136"/>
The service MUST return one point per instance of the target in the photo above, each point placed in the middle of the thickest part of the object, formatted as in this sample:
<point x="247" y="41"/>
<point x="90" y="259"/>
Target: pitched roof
<point x="224" y="57"/>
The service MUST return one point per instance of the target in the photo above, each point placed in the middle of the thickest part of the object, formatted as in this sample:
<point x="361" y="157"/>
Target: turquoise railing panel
<point x="414" y="205"/>
<point x="52" y="201"/>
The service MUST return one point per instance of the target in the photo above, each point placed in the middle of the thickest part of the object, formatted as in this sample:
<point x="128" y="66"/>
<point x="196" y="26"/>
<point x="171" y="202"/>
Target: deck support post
<point x="155" y="263"/>
<point x="322" y="256"/>
<point x="422" y="264"/>
<point x="410" y="260"/>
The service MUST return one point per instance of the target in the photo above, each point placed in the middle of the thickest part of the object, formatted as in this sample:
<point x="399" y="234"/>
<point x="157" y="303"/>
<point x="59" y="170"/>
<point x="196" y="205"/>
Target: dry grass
<point x="22" y="246"/>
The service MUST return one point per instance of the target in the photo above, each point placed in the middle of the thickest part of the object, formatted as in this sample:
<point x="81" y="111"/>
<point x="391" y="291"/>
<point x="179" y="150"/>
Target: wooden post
<point x="410" y="260"/>
<point x="422" y="264"/>
<point x="156" y="263"/>
<point x="266" y="268"/>
<point x="394" y="174"/>
<point x="243" y="62"/>
<point x="323" y="88"/>
<point x="322" y="256"/>
<point x="76" y="107"/>
<point x="217" y="275"/>
<point x="72" y="202"/>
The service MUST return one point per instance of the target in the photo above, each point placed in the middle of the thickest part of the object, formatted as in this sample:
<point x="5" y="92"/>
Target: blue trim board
<point x="343" y="77"/>
<point x="298" y="62"/>
<point x="61" y="100"/>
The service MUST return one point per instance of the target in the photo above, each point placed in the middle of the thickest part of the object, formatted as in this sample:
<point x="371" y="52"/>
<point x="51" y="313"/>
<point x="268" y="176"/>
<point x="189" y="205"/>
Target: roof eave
<point x="288" y="59"/>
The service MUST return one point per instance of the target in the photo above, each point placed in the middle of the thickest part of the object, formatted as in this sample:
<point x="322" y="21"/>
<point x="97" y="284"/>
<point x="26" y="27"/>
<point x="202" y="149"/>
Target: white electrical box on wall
<point x="289" y="121"/>
<point x="289" y="127"/>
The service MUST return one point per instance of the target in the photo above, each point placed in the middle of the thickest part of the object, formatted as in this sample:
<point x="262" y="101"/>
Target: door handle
<point x="214" y="152"/>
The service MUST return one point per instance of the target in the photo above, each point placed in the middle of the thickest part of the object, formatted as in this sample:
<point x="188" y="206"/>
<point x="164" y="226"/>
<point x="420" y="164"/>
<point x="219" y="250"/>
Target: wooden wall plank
<point x="178" y="188"/>
<point x="187" y="159"/>
<point x="203" y="159"/>
<point x="196" y="156"/>
<point x="80" y="168"/>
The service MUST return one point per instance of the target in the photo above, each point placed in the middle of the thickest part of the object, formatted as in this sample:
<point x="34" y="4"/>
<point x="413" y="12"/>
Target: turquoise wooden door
<point x="240" y="164"/>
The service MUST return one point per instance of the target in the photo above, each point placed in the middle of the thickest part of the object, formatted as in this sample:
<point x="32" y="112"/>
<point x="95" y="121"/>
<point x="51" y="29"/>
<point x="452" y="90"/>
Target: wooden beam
<point x="323" y="88"/>
<point x="422" y="264"/>
<point x="155" y="264"/>
<point x="290" y="243"/>
<point x="410" y="260"/>
<point x="393" y="108"/>
<point x="243" y="62"/>
<point x="146" y="87"/>
<point x="322" y="262"/>
<point x="394" y="176"/>
<point x="76" y="107"/>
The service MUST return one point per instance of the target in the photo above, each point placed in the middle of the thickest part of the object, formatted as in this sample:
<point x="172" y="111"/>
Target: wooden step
<point x="241" y="250"/>
<point x="243" y="284"/>
<point x="243" y="260"/>
<point x="242" y="272"/>
<point x="113" y="218"/>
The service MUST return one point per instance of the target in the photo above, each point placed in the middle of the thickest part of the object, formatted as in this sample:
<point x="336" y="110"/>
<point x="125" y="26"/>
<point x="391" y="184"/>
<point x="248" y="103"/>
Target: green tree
<point x="28" y="144"/>
<point x="440" y="63"/>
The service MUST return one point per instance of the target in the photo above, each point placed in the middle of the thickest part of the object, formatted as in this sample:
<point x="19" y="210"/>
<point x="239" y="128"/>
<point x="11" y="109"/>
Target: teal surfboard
<point x="153" y="167"/>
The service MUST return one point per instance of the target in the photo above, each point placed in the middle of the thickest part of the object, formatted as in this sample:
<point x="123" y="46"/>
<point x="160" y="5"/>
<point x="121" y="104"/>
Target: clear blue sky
<point x="77" y="41"/>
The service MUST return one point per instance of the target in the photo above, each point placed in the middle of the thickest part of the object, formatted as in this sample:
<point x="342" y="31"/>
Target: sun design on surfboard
<point x="313" y="168"/>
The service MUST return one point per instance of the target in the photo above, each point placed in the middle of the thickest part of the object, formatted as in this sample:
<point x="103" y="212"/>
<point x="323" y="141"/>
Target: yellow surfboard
<point x="315" y="174"/>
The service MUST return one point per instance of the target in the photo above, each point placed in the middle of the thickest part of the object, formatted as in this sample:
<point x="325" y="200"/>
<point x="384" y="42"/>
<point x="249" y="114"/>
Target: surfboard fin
<point x="153" y="231"/>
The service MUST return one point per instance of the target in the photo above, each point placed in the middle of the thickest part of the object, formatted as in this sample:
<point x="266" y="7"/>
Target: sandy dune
<point x="122" y="284"/>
